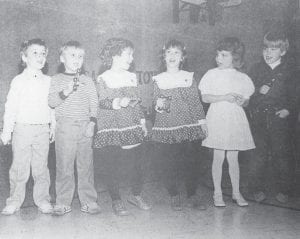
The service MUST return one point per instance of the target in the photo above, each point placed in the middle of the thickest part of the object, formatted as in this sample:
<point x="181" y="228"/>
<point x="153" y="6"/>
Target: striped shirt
<point x="80" y="105"/>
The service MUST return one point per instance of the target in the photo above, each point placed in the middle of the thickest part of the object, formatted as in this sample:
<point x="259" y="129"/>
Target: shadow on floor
<point x="205" y="181"/>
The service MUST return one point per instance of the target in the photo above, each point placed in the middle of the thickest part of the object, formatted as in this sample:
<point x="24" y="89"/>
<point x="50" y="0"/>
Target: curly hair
<point x="236" y="48"/>
<point x="23" y="51"/>
<point x="173" y="43"/>
<point x="113" y="47"/>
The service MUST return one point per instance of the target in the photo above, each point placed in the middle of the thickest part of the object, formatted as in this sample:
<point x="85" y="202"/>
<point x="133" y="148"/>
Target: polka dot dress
<point x="118" y="127"/>
<point x="182" y="123"/>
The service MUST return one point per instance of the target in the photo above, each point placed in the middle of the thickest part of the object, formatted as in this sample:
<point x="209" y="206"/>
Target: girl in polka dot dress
<point x="179" y="124"/>
<point x="121" y="123"/>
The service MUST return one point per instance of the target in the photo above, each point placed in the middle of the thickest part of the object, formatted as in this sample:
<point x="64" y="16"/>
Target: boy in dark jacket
<point x="270" y="109"/>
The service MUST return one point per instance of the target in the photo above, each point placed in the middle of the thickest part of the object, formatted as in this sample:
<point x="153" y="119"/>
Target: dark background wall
<point x="147" y="23"/>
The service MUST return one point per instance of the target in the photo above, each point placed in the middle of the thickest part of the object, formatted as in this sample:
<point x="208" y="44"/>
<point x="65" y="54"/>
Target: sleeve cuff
<point x="203" y="121"/>
<point x="116" y="104"/>
<point x="62" y="95"/>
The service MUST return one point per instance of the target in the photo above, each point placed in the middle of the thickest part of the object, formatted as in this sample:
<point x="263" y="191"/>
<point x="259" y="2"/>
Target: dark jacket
<point x="282" y="93"/>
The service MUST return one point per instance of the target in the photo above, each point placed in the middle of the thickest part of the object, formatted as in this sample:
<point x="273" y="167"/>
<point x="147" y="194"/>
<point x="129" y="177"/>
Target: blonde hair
<point x="276" y="39"/>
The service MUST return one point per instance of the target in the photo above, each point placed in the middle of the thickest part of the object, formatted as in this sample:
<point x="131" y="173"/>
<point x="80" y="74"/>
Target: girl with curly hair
<point x="121" y="123"/>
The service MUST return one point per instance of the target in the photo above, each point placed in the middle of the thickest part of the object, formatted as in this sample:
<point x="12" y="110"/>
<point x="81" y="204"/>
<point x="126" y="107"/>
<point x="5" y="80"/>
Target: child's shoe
<point x="195" y="203"/>
<point x="10" y="210"/>
<point x="239" y="200"/>
<point x="176" y="204"/>
<point x="282" y="198"/>
<point x="60" y="210"/>
<point x="92" y="208"/>
<point x="139" y="202"/>
<point x="218" y="200"/>
<point x="119" y="208"/>
<point x="259" y="196"/>
<point x="45" y="208"/>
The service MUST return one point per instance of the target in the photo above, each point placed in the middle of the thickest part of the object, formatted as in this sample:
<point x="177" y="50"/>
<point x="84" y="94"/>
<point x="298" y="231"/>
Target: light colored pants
<point x="30" y="145"/>
<point x="72" y="145"/>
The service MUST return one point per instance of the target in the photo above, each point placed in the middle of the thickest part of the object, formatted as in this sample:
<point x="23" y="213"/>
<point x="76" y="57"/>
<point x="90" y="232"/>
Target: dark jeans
<point x="114" y="157"/>
<point x="273" y="148"/>
<point x="176" y="160"/>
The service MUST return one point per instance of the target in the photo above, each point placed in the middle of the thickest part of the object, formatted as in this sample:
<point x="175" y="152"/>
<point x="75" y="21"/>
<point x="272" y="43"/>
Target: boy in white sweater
<point x="29" y="122"/>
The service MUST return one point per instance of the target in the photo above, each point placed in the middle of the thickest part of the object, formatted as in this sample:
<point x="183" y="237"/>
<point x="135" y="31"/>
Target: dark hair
<point x="173" y="43"/>
<point x="24" y="46"/>
<point x="113" y="47"/>
<point x="61" y="67"/>
<point x="276" y="38"/>
<point x="236" y="48"/>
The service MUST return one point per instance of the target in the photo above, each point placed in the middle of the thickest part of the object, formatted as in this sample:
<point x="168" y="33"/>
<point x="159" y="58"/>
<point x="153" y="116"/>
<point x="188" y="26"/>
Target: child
<point x="74" y="97"/>
<point x="179" y="124"/>
<point x="270" y="108"/>
<point x="27" y="116"/>
<point x="120" y="122"/>
<point x="227" y="90"/>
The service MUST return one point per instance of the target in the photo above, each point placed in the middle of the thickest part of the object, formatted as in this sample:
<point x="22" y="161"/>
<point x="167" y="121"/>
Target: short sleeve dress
<point x="183" y="121"/>
<point x="227" y="123"/>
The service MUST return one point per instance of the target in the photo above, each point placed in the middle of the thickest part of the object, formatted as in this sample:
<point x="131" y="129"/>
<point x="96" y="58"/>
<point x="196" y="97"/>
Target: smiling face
<point x="124" y="60"/>
<point x="224" y="59"/>
<point x="72" y="58"/>
<point x="35" y="56"/>
<point x="173" y="57"/>
<point x="272" y="54"/>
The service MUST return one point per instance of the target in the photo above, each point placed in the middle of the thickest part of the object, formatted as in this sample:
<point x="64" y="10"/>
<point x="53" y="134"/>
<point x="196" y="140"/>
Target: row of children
<point x="74" y="108"/>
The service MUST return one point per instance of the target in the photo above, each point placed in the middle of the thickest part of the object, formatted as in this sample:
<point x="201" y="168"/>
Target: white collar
<point x="31" y="74"/>
<point x="167" y="80"/>
<point x="117" y="80"/>
<point x="274" y="64"/>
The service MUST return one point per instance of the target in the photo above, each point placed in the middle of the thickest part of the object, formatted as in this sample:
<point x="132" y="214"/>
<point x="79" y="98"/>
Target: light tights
<point x="234" y="171"/>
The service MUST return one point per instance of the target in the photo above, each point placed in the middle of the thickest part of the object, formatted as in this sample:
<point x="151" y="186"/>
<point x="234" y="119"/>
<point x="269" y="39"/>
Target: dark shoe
<point x="139" y="202"/>
<point x="194" y="202"/>
<point x="259" y="196"/>
<point x="282" y="198"/>
<point x="176" y="203"/>
<point x="119" y="208"/>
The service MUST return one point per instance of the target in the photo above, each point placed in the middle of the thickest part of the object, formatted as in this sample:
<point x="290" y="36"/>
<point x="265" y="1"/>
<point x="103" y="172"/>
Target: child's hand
<point x="134" y="101"/>
<point x="124" y="102"/>
<point x="264" y="89"/>
<point x="90" y="130"/>
<point x="231" y="97"/>
<point x="163" y="104"/>
<point x="204" y="129"/>
<point x="283" y="113"/>
<point x="52" y="134"/>
<point x="160" y="103"/>
<point x="240" y="100"/>
<point x="5" y="138"/>
<point x="69" y="88"/>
